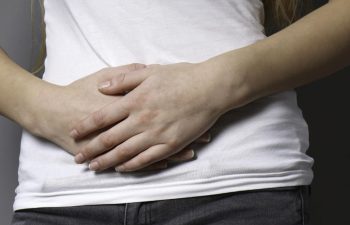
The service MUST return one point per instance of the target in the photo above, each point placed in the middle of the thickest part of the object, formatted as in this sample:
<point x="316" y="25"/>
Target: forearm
<point x="310" y="49"/>
<point x="21" y="93"/>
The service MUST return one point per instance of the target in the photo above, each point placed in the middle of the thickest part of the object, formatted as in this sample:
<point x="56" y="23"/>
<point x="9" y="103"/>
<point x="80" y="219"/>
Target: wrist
<point x="230" y="70"/>
<point x="40" y="103"/>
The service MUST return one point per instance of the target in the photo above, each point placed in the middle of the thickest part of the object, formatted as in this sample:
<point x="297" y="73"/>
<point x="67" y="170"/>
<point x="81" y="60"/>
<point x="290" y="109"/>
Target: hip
<point x="285" y="205"/>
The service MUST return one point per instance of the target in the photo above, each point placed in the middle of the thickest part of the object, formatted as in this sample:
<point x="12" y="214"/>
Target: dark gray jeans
<point x="278" y="206"/>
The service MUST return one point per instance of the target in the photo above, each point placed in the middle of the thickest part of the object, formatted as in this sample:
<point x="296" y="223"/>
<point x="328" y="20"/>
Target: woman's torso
<point x="260" y="145"/>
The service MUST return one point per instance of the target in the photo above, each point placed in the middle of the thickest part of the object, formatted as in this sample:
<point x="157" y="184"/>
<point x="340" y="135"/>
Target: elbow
<point x="3" y="51"/>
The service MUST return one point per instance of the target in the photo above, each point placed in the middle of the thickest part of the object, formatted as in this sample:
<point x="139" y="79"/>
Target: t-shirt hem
<point x="195" y="188"/>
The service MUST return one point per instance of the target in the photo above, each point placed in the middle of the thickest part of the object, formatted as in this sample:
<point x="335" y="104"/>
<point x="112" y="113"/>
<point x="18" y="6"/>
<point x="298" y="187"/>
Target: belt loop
<point x="302" y="190"/>
<point x="125" y="213"/>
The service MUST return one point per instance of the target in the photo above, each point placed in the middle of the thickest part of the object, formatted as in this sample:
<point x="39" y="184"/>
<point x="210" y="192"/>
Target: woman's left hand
<point x="166" y="108"/>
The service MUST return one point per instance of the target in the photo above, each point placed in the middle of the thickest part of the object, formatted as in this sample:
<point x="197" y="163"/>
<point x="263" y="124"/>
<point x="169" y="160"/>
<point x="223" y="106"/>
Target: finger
<point x="205" y="138"/>
<point x="123" y="82"/>
<point x="145" y="158"/>
<point x="156" y="166"/>
<point x="183" y="155"/>
<point x="108" y="115"/>
<point x="122" y="153"/>
<point x="130" y="67"/>
<point x="153" y="65"/>
<point x="106" y="141"/>
<point x="108" y="73"/>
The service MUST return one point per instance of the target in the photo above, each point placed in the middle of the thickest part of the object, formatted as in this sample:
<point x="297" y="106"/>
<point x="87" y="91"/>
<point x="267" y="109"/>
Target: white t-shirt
<point x="261" y="145"/>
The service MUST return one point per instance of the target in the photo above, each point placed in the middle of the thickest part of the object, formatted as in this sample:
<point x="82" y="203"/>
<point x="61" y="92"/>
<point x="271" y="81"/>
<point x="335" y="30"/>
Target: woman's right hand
<point x="62" y="106"/>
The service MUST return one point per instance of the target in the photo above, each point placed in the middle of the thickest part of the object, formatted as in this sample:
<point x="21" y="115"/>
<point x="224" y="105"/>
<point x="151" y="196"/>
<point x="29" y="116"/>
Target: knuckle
<point x="184" y="63"/>
<point x="143" y="161"/>
<point x="87" y="152"/>
<point x="145" y="117"/>
<point x="139" y="100"/>
<point x="107" y="141"/>
<point x="124" y="153"/>
<point x="104" y="70"/>
<point x="98" y="118"/>
<point x="133" y="66"/>
<point x="173" y="143"/>
<point x="128" y="106"/>
<point x="136" y="66"/>
<point x="159" y="131"/>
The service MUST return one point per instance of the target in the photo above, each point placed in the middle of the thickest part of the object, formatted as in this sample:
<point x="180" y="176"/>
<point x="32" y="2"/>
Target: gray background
<point x="15" y="38"/>
<point x="323" y="104"/>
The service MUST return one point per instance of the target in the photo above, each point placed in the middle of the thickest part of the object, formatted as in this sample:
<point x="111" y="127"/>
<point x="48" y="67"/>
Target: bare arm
<point x="48" y="110"/>
<point x="45" y="109"/>
<point x="20" y="93"/>
<point x="310" y="49"/>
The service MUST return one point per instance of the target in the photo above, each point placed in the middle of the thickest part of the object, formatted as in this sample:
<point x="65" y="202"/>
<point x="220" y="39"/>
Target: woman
<point x="203" y="67"/>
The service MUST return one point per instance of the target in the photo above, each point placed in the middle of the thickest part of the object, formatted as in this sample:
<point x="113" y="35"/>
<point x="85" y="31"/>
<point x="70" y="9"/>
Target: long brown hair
<point x="38" y="65"/>
<point x="278" y="15"/>
<point x="281" y="13"/>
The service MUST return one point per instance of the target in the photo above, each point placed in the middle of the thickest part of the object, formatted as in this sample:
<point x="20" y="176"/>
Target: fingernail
<point x="120" y="169"/>
<point x="190" y="154"/>
<point x="74" y="133"/>
<point x="206" y="138"/>
<point x="105" y="84"/>
<point x="93" y="166"/>
<point x="79" y="158"/>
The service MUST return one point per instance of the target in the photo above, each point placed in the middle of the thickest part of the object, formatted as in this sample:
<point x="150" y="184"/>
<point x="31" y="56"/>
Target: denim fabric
<point x="277" y="206"/>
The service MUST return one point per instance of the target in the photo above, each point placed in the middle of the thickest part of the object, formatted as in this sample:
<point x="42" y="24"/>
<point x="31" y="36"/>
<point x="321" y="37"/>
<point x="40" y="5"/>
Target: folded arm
<point x="48" y="110"/>
<point x="20" y="93"/>
<point x="152" y="126"/>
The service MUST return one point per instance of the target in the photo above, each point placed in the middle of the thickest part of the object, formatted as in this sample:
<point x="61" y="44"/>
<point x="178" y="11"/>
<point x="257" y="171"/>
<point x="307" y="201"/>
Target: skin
<point x="149" y="116"/>
<point x="147" y="125"/>
<point x="34" y="109"/>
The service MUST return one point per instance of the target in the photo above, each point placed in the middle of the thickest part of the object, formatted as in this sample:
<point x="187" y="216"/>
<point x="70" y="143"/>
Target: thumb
<point x="110" y="72"/>
<point x="122" y="83"/>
